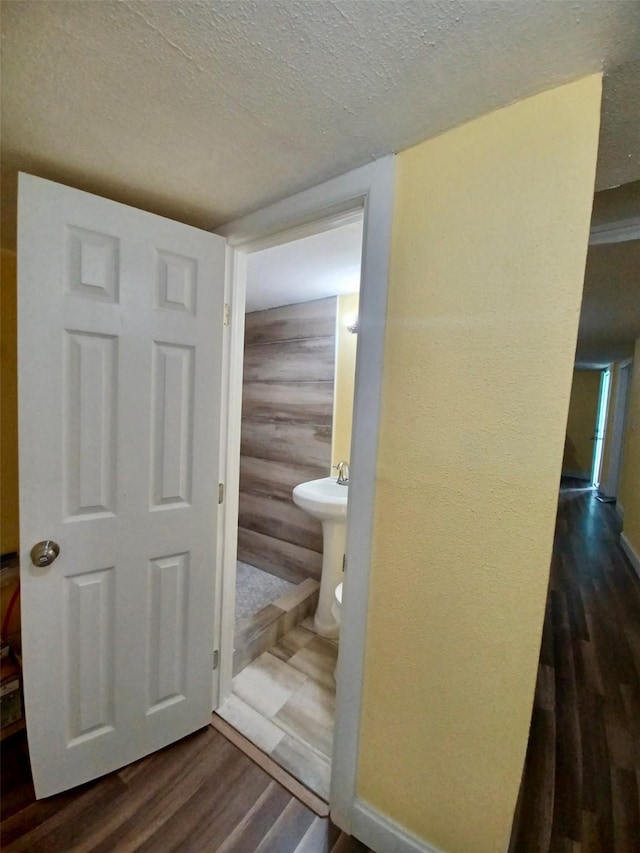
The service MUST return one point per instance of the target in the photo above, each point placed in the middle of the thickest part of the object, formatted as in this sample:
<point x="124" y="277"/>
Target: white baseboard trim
<point x="384" y="835"/>
<point x="629" y="550"/>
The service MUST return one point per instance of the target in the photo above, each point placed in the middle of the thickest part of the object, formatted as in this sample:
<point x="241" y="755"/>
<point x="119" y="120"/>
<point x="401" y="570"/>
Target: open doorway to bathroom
<point x="298" y="386"/>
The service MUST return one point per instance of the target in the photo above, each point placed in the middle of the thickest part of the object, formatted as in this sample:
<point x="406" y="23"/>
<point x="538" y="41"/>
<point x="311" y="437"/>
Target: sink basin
<point x="327" y="501"/>
<point x="323" y="499"/>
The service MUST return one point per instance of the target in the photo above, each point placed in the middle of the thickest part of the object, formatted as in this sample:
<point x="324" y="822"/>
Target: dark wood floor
<point x="202" y="794"/>
<point x="580" y="790"/>
<point x="581" y="785"/>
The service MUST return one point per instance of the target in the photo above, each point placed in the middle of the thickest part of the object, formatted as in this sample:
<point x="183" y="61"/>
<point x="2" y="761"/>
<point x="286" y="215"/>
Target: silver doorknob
<point x="44" y="553"/>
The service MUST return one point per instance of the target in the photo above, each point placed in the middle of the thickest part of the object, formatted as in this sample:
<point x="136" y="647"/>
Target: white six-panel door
<point x="120" y="351"/>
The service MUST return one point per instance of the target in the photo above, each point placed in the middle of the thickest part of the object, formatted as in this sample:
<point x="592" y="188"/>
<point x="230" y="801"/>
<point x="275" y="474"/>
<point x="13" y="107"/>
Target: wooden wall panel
<point x="308" y="320"/>
<point x="287" y="411"/>
<point x="274" y="479"/>
<point x="287" y="361"/>
<point x="280" y="520"/>
<point x="288" y="402"/>
<point x="289" y="561"/>
<point x="299" y="444"/>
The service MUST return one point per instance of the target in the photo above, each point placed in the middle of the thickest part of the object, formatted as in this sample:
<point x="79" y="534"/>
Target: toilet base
<point x="326" y="628"/>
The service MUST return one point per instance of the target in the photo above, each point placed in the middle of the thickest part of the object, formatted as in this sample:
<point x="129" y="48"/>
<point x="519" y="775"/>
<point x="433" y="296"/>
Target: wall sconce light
<point x="351" y="322"/>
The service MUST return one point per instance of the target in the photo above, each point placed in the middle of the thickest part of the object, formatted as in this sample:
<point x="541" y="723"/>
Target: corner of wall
<point x="490" y="234"/>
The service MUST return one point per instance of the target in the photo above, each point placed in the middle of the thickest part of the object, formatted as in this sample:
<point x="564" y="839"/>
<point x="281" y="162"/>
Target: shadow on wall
<point x="9" y="523"/>
<point x="570" y="458"/>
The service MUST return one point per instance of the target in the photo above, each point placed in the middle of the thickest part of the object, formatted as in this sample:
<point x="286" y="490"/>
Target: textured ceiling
<point x="325" y="264"/>
<point x="203" y="111"/>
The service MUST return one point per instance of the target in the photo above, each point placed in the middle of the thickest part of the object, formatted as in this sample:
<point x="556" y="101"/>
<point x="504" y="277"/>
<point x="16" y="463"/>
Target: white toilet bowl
<point x="336" y="606"/>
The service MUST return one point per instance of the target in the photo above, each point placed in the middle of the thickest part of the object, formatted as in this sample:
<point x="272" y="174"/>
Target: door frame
<point x="600" y="431"/>
<point x="368" y="189"/>
<point x="609" y="487"/>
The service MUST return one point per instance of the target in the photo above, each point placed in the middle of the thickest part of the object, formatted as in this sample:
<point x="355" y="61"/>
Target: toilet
<point x="336" y="606"/>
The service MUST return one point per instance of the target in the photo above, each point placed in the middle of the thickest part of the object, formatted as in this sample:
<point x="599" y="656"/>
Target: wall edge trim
<point x="385" y="835"/>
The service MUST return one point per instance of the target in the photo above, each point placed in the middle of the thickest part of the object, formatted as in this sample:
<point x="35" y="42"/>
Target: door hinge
<point x="344" y="562"/>
<point x="227" y="314"/>
<point x="220" y="492"/>
<point x="216" y="656"/>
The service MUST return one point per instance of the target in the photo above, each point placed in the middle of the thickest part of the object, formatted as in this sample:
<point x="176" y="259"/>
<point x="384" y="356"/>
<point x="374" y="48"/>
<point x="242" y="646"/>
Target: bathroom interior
<point x="297" y="403"/>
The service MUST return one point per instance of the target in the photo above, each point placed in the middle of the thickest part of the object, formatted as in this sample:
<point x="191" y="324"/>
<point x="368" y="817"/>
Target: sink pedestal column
<point x="333" y="544"/>
<point x="326" y="500"/>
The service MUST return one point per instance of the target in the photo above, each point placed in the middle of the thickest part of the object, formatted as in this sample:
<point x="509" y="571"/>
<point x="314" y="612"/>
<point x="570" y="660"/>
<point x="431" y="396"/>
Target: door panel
<point x="172" y="430"/>
<point x="90" y="365"/>
<point x="120" y="354"/>
<point x="89" y="605"/>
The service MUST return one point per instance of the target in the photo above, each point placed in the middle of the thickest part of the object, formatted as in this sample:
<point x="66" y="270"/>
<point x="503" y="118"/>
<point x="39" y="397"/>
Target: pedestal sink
<point x="326" y="500"/>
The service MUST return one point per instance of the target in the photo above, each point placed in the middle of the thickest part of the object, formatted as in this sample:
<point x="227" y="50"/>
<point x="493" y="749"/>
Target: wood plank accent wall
<point x="287" y="411"/>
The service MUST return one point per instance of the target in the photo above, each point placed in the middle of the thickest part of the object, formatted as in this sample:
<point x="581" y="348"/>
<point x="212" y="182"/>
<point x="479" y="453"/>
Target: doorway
<point x="601" y="425"/>
<point x="300" y="336"/>
<point x="369" y="189"/>
<point x="619" y="395"/>
<point x="582" y="420"/>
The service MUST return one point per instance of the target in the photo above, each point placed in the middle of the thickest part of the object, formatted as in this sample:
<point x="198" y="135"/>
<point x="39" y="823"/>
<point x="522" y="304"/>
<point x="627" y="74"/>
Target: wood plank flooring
<point x="201" y="794"/>
<point x="580" y="789"/>
<point x="284" y="703"/>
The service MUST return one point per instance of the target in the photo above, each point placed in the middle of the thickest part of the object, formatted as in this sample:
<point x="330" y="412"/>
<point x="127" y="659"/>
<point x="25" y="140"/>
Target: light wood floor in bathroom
<point x="284" y="703"/>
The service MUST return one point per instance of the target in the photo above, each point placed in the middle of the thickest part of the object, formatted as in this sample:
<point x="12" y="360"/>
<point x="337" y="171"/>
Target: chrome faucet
<point x="343" y="473"/>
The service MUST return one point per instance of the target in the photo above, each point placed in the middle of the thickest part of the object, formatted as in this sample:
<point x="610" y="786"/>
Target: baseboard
<point x="577" y="475"/>
<point x="384" y="835"/>
<point x="630" y="551"/>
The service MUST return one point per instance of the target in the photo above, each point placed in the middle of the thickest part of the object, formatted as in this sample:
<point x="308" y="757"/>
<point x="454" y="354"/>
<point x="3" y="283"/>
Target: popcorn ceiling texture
<point x="204" y="111"/>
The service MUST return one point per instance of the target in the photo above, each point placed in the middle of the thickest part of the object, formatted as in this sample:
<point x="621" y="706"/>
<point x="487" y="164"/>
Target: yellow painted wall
<point x="581" y="423"/>
<point x="630" y="474"/>
<point x="490" y="233"/>
<point x="346" y="345"/>
<point x="9" y="532"/>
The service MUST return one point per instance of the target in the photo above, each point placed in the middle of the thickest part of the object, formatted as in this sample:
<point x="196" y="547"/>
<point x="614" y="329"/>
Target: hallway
<point x="581" y="786"/>
<point x="580" y="790"/>
<point x="200" y="794"/>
